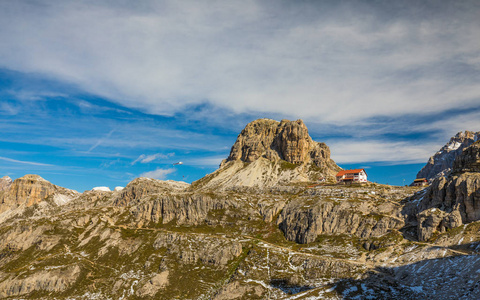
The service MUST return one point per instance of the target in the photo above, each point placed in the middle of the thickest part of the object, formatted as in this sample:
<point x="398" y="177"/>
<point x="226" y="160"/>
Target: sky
<point x="97" y="93"/>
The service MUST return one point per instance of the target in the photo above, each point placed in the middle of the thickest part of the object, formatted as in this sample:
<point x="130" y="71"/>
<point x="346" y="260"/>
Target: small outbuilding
<point x="352" y="176"/>
<point x="420" y="182"/>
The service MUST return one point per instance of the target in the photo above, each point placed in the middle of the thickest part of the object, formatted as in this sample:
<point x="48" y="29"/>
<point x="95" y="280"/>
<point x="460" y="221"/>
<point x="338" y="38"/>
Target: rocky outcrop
<point x="22" y="238"/>
<point x="469" y="161"/>
<point x="183" y="208"/>
<point x="441" y="163"/>
<point x="449" y="203"/>
<point x="304" y="223"/>
<point x="285" y="140"/>
<point x="141" y="187"/>
<point x="268" y="153"/>
<point x="5" y="183"/>
<point x="191" y="249"/>
<point x="152" y="286"/>
<point x="435" y="220"/>
<point x="27" y="190"/>
<point x="453" y="201"/>
<point x="44" y="281"/>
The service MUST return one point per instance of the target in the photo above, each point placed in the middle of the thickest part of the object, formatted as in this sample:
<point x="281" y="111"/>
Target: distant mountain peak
<point x="440" y="164"/>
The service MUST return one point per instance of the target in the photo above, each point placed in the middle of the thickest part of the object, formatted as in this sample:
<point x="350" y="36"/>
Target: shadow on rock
<point x="288" y="287"/>
<point x="454" y="277"/>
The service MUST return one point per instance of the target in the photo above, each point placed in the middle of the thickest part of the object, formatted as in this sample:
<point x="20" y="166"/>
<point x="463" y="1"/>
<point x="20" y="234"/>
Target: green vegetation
<point x="286" y="166"/>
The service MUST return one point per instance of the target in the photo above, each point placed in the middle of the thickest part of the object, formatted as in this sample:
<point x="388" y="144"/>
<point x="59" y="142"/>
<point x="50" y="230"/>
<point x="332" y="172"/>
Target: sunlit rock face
<point x="286" y="140"/>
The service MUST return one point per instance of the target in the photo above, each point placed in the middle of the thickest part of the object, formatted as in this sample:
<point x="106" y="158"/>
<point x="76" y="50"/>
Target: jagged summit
<point x="285" y="140"/>
<point x="441" y="163"/>
<point x="269" y="152"/>
<point x="452" y="201"/>
<point x="29" y="190"/>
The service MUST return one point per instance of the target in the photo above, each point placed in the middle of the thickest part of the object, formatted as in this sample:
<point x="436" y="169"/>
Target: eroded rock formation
<point x="286" y="140"/>
<point x="27" y="190"/>
<point x="453" y="201"/>
<point x="441" y="163"/>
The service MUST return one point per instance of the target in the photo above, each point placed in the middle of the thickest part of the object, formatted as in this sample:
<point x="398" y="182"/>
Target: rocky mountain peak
<point x="441" y="163"/>
<point x="269" y="153"/>
<point x="273" y="140"/>
<point x="27" y="190"/>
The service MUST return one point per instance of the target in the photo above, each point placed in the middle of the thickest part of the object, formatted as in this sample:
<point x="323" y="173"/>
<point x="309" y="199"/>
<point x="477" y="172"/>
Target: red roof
<point x="354" y="171"/>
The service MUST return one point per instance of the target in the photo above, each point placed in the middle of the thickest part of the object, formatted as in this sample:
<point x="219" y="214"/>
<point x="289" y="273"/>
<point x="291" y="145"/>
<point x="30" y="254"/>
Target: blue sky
<point x="96" y="93"/>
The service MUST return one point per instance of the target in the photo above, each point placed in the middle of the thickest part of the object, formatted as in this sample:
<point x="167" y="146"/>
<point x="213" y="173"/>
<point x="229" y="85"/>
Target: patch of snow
<point x="53" y="267"/>
<point x="131" y="287"/>
<point x="330" y="289"/>
<point x="61" y="199"/>
<point x="454" y="146"/>
<point x="350" y="290"/>
<point x="460" y="241"/>
<point x="416" y="289"/>
<point x="101" y="189"/>
<point x="259" y="282"/>
<point x="119" y="188"/>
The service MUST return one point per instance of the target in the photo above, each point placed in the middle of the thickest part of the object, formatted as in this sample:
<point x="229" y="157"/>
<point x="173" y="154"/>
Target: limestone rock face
<point x="453" y="201"/>
<point x="269" y="153"/>
<point x="28" y="190"/>
<point x="183" y="209"/>
<point x="287" y="140"/>
<point x="303" y="225"/>
<point x="44" y="281"/>
<point x="435" y="220"/>
<point x="441" y="163"/>
<point x="191" y="249"/>
<point x="469" y="160"/>
<point x="141" y="187"/>
<point x="5" y="183"/>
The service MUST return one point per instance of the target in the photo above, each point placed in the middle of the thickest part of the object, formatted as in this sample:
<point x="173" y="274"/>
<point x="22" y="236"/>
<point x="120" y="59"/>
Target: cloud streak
<point x="101" y="141"/>
<point x="24" y="162"/>
<point x="143" y="159"/>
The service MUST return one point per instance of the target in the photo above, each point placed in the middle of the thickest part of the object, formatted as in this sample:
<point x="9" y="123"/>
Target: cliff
<point x="268" y="153"/>
<point x="441" y="163"/>
<point x="452" y="201"/>
<point x="29" y="190"/>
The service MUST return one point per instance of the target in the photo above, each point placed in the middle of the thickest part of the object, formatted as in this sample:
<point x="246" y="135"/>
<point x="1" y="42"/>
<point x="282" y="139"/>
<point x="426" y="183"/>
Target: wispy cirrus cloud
<point x="24" y="162"/>
<point x="143" y="159"/>
<point x="101" y="140"/>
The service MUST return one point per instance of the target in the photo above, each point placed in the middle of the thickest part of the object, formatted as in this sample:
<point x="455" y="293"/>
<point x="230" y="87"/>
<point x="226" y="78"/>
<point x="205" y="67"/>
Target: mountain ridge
<point x="440" y="164"/>
<point x="250" y="230"/>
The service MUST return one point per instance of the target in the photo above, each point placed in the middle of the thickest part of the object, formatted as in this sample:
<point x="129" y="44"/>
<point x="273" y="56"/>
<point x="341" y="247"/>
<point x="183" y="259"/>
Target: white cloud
<point x="24" y="162"/>
<point x="149" y="158"/>
<point x="334" y="62"/>
<point x="160" y="174"/>
<point x="381" y="151"/>
<point x="101" y="140"/>
<point x="213" y="161"/>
